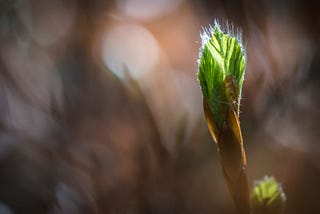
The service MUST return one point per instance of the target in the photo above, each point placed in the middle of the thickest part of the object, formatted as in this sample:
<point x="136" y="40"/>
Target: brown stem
<point x="234" y="170"/>
<point x="232" y="156"/>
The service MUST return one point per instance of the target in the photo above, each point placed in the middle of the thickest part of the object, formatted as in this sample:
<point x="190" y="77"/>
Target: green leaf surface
<point x="221" y="55"/>
<point x="267" y="197"/>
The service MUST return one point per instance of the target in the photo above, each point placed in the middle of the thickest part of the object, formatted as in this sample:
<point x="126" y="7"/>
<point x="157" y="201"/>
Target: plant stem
<point x="232" y="156"/>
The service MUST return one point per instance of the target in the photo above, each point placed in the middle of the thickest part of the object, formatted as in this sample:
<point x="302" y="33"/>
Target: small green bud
<point x="267" y="197"/>
<point x="221" y="56"/>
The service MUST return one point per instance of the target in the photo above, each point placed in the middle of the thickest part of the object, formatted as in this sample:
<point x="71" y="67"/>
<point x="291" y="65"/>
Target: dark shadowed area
<point x="101" y="111"/>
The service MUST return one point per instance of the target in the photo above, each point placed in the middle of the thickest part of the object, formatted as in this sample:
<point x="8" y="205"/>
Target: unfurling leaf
<point x="267" y="197"/>
<point x="222" y="63"/>
<point x="221" y="70"/>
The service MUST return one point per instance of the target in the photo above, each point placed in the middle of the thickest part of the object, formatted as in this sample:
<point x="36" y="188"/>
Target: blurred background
<point x="101" y="111"/>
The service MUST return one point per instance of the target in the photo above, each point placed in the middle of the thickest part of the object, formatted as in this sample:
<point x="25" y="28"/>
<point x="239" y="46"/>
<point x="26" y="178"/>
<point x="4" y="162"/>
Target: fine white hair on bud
<point x="226" y="27"/>
<point x="221" y="55"/>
